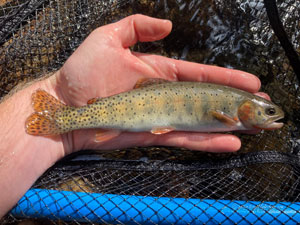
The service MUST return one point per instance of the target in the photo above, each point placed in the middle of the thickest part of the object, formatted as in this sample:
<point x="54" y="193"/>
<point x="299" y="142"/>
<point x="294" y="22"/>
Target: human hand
<point x="103" y="65"/>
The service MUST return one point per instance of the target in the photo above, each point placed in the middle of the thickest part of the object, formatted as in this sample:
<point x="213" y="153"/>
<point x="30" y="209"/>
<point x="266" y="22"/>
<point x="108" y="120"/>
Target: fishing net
<point x="260" y="37"/>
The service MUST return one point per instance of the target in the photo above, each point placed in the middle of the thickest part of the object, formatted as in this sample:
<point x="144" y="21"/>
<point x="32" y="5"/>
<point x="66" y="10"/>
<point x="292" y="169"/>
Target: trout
<point x="157" y="106"/>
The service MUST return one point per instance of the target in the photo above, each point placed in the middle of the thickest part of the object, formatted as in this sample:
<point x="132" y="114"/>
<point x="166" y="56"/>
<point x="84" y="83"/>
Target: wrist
<point x="23" y="157"/>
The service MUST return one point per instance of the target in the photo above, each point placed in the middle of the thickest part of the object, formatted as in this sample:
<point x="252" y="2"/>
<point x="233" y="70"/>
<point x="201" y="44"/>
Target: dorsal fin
<point x="93" y="100"/>
<point x="144" y="82"/>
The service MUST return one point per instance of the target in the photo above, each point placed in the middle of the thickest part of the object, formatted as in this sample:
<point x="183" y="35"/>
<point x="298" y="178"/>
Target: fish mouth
<point x="273" y="124"/>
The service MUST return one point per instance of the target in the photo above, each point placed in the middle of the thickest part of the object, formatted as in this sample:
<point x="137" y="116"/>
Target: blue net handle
<point x="129" y="209"/>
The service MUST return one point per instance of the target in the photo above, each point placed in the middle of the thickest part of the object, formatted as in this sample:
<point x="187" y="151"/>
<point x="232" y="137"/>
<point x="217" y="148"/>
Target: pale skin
<point x="103" y="65"/>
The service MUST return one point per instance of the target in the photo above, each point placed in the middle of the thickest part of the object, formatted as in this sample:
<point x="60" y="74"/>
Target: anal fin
<point x="162" y="130"/>
<point x="106" y="135"/>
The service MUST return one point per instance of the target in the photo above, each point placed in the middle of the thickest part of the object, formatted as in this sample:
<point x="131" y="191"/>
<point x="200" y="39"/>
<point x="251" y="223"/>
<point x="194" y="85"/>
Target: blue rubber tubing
<point x="130" y="209"/>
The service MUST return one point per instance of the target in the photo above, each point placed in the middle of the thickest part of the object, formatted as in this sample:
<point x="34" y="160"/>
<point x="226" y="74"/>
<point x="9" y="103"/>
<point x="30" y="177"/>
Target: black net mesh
<point x="38" y="36"/>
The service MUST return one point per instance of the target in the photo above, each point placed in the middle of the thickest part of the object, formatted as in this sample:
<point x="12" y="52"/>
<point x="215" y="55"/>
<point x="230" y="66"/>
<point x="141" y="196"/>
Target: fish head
<point x="259" y="113"/>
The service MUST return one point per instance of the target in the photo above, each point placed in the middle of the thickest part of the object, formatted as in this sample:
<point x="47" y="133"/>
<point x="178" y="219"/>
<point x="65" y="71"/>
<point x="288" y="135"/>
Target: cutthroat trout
<point x="157" y="106"/>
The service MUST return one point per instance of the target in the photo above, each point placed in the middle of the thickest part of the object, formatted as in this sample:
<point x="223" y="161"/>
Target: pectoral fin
<point x="106" y="135"/>
<point x="224" y="118"/>
<point x="162" y="130"/>
<point x="144" y="82"/>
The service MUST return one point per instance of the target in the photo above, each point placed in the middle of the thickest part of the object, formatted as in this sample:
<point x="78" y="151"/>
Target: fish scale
<point x="158" y="107"/>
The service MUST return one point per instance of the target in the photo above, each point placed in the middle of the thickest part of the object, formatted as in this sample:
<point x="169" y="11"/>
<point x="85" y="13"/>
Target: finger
<point x="213" y="74"/>
<point x="201" y="141"/>
<point x="263" y="95"/>
<point x="189" y="71"/>
<point x="142" y="28"/>
<point x="191" y="140"/>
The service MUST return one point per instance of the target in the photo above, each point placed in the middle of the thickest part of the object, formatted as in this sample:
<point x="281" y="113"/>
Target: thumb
<point x="142" y="28"/>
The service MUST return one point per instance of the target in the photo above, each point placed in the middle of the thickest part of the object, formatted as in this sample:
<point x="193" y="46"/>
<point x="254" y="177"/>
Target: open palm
<point x="103" y="65"/>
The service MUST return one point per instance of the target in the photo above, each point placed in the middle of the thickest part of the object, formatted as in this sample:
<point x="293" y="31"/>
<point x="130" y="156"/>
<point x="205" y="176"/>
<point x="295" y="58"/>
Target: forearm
<point x="23" y="158"/>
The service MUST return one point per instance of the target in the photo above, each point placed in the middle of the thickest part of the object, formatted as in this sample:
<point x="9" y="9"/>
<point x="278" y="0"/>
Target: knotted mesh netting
<point x="38" y="36"/>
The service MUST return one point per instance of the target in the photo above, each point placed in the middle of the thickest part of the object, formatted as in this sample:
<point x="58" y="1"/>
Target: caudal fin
<point x="42" y="122"/>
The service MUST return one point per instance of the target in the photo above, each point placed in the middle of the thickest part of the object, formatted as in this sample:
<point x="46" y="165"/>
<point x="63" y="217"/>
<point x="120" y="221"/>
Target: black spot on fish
<point x="259" y="113"/>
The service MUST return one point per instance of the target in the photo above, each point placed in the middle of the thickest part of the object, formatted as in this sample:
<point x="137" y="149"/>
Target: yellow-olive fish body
<point x="159" y="107"/>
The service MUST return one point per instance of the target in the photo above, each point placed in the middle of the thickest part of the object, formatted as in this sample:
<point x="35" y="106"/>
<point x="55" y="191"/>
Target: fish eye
<point x="270" y="111"/>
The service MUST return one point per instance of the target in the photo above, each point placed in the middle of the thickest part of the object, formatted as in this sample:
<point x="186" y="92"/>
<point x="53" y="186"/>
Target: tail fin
<point x="42" y="122"/>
